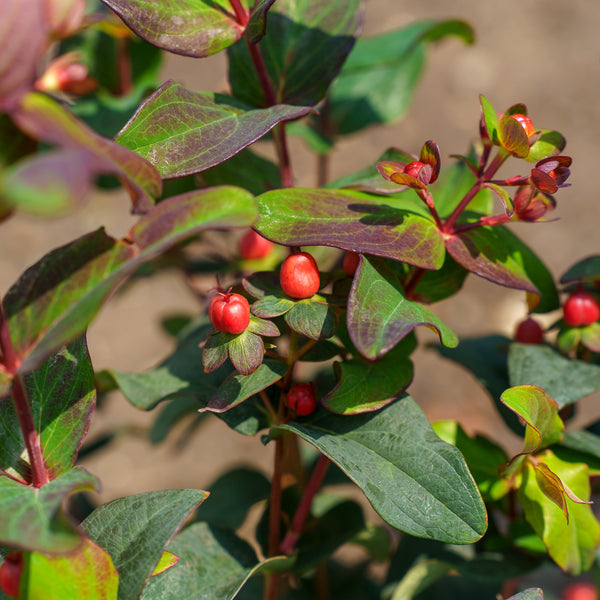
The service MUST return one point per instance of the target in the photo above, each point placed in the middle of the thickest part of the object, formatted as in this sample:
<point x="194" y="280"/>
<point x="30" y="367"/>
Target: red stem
<point x="303" y="510"/>
<point x="412" y="282"/>
<point x="241" y="14"/>
<point x="124" y="67"/>
<point x="272" y="579"/>
<point x="39" y="472"/>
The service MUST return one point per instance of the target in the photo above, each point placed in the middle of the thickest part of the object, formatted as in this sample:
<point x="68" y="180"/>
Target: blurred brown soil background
<point x="545" y="54"/>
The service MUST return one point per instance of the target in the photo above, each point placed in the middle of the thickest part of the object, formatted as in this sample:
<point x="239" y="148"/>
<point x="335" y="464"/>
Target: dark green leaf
<point x="441" y="284"/>
<point x="14" y="144"/>
<point x="172" y="413"/>
<point x="214" y="564"/>
<point x="257" y="25"/>
<point x="304" y="49"/>
<point x="246" y="352"/>
<point x="379" y="315"/>
<point x="62" y="396"/>
<point x="313" y="318"/>
<point x="565" y="380"/>
<point x="135" y="530"/>
<point x="215" y="350"/>
<point x="377" y="81"/>
<point x="88" y="570"/>
<point x="182" y="132"/>
<point x="583" y="270"/>
<point x="272" y="306"/>
<point x="529" y="594"/>
<point x="237" y="388"/>
<point x="367" y="386"/>
<point x="54" y="300"/>
<point x="231" y="497"/>
<point x="350" y="221"/>
<point x="394" y="457"/>
<point x="45" y="119"/>
<point x="263" y="327"/>
<point x="496" y="254"/>
<point x="32" y="518"/>
<point x="189" y="27"/>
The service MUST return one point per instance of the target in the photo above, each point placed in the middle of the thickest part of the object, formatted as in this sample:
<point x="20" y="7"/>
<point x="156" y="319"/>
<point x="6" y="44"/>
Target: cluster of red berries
<point x="10" y="574"/>
<point x="580" y="309"/>
<point x="302" y="399"/>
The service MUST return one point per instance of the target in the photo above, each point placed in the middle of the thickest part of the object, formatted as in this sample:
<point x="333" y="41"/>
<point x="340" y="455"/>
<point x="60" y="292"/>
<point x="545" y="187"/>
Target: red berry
<point x="525" y="122"/>
<point x="351" y="263"/>
<point x="529" y="331"/>
<point x="580" y="309"/>
<point x="10" y="574"/>
<point x="254" y="245"/>
<point x="229" y="312"/>
<point x="302" y="399"/>
<point x="299" y="276"/>
<point x="581" y="590"/>
<point x="413" y="168"/>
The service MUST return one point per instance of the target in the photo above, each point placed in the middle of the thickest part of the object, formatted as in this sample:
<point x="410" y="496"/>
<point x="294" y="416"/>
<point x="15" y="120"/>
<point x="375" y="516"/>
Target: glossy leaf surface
<point x="395" y="449"/>
<point x="55" y="299"/>
<point x="378" y="80"/>
<point x="189" y="27"/>
<point x="62" y="396"/>
<point x="304" y="49"/>
<point x="379" y="315"/>
<point x="350" y="221"/>
<point x="45" y="119"/>
<point x="182" y="132"/>
<point x="33" y="519"/>
<point x="87" y="572"/>
<point x="313" y="318"/>
<point x="496" y="254"/>
<point x="214" y="564"/>
<point x="565" y="380"/>
<point x="135" y="530"/>
<point x="367" y="386"/>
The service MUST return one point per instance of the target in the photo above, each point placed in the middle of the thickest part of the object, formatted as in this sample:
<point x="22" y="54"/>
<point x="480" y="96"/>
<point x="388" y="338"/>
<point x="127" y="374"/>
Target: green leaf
<point x="420" y="577"/>
<point x="135" y="530"/>
<point x="46" y="120"/>
<point x="262" y="327"/>
<point x="313" y="318"/>
<point x="86" y="572"/>
<point x="549" y="143"/>
<point x="367" y="386"/>
<point x="272" y="306"/>
<point x="189" y="27"/>
<point x="565" y="380"/>
<point x="394" y="457"/>
<point x="497" y="255"/>
<point x="571" y="545"/>
<point x="54" y="300"/>
<point x="304" y="49"/>
<point x="379" y="315"/>
<point x="490" y="119"/>
<point x="231" y="497"/>
<point x="483" y="458"/>
<point x="512" y="137"/>
<point x="543" y="426"/>
<point x="182" y="132"/>
<point x="584" y="270"/>
<point x="350" y="221"/>
<point x="246" y="352"/>
<point x="32" y="518"/>
<point x="529" y="594"/>
<point x="214" y="564"/>
<point x="62" y="396"/>
<point x="167" y="560"/>
<point x="236" y="388"/>
<point x="257" y="24"/>
<point x="378" y="80"/>
<point x="441" y="284"/>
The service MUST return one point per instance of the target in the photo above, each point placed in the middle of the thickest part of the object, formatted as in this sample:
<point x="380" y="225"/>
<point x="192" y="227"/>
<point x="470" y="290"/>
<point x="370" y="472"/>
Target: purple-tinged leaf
<point x="188" y="27"/>
<point x="394" y="171"/>
<point x="45" y="119"/>
<point x="512" y="137"/>
<point x="304" y="49"/>
<point x="33" y="518"/>
<point x="271" y="306"/>
<point x="543" y="426"/>
<point x="504" y="197"/>
<point x="350" y="221"/>
<point x="246" y="352"/>
<point x="23" y="39"/>
<point x="313" y="318"/>
<point x="368" y="386"/>
<point x="57" y="577"/>
<point x="379" y="314"/>
<point x="182" y="132"/>
<point x="496" y="254"/>
<point x="587" y="269"/>
<point x="215" y="350"/>
<point x="236" y="387"/>
<point x="262" y="327"/>
<point x="529" y="594"/>
<point x="430" y="154"/>
<point x="49" y="183"/>
<point x="54" y="300"/>
<point x="257" y="25"/>
<point x="62" y="396"/>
